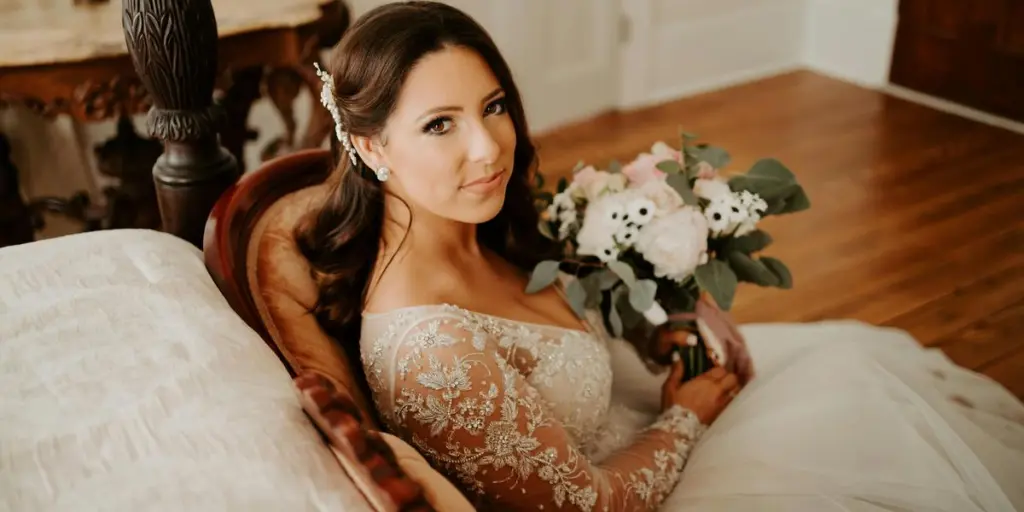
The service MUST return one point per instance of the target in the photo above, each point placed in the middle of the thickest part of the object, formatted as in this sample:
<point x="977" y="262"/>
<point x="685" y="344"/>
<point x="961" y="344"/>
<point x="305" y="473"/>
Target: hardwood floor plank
<point x="916" y="217"/>
<point x="1008" y="372"/>
<point x="888" y="285"/>
<point x="987" y="341"/>
<point x="962" y="306"/>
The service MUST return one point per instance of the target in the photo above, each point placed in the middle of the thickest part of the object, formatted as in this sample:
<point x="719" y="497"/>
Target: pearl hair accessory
<point x="327" y="99"/>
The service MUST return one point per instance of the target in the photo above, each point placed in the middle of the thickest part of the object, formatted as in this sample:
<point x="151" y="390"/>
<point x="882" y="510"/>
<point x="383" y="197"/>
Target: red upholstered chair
<point x="251" y="253"/>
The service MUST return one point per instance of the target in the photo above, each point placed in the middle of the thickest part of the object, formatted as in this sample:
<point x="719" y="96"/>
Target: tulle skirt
<point x="844" y="416"/>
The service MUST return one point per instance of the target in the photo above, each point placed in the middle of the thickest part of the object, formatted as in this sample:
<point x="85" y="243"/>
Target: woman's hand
<point x="707" y="395"/>
<point x="737" y="358"/>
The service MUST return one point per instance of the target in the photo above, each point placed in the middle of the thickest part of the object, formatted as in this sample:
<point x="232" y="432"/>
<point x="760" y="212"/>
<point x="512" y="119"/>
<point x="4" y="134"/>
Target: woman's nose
<point x="483" y="146"/>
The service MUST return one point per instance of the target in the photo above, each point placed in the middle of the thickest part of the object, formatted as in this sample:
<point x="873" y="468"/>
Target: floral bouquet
<point x="647" y="243"/>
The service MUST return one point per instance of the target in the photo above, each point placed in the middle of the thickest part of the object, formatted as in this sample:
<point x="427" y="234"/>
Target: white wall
<point x="682" y="47"/>
<point x="850" y="39"/>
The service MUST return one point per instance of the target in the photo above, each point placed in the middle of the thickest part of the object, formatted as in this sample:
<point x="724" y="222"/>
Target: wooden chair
<point x="250" y="252"/>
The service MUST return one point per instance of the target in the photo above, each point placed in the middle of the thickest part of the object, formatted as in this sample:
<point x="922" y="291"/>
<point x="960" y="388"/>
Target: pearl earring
<point x="383" y="173"/>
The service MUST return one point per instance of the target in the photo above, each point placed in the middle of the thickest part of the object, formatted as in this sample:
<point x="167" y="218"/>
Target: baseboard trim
<point x="953" y="108"/>
<point x="739" y="77"/>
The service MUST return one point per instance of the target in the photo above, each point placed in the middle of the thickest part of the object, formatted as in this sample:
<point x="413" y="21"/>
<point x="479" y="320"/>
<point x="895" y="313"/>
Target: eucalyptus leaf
<point x="614" y="167"/>
<point x="780" y="270"/>
<point x="716" y="156"/>
<point x="690" y="155"/>
<point x="750" y="243"/>
<point x="606" y="278"/>
<point x="630" y="317"/>
<point x="775" y="206"/>
<point x="579" y="166"/>
<point x="592" y="285"/>
<point x="768" y="178"/>
<point x="719" y="280"/>
<point x="577" y="296"/>
<point x="624" y="271"/>
<point x="681" y="185"/>
<point x="641" y="296"/>
<point x="544" y="273"/>
<point x="797" y="202"/>
<point x="751" y="270"/>
<point x="669" y="166"/>
<point x="770" y="189"/>
<point x="770" y="167"/>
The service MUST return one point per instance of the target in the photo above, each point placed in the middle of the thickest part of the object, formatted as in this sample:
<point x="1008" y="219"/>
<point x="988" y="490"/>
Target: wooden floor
<point x="917" y="217"/>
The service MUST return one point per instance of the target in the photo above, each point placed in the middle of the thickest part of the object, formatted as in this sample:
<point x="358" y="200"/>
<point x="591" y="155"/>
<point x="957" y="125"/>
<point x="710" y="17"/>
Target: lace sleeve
<point x="455" y="397"/>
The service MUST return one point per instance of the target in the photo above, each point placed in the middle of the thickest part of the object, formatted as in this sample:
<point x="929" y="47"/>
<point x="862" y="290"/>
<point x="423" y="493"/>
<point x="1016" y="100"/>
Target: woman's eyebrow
<point x="455" y="108"/>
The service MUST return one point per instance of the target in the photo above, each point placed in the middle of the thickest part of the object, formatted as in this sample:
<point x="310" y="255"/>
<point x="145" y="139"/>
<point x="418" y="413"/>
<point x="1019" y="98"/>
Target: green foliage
<point x="544" y="273"/>
<point x="718" y="279"/>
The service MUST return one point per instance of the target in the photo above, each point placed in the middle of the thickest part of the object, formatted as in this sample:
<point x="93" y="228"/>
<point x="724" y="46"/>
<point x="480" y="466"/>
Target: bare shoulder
<point x="404" y="285"/>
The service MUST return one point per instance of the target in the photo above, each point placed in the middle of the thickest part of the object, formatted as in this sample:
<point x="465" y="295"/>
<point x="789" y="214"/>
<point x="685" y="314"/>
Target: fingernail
<point x="676" y="357"/>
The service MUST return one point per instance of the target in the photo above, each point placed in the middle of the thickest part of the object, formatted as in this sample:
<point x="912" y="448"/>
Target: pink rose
<point x="645" y="167"/>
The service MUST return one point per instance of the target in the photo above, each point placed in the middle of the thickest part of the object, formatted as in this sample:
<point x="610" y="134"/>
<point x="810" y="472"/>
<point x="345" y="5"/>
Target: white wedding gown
<point x="842" y="416"/>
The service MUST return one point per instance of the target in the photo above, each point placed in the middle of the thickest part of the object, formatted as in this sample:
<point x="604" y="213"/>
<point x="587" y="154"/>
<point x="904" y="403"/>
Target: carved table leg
<point x="282" y="87"/>
<point x="16" y="226"/>
<point x="176" y="62"/>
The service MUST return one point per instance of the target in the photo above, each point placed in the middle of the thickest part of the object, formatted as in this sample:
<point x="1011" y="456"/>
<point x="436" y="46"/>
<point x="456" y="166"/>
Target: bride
<point x="423" y="254"/>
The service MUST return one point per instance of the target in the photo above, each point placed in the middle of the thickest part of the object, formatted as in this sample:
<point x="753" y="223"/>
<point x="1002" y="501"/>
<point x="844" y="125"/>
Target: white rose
<point x="711" y="188"/>
<point x="597" y="184"/>
<point x="675" y="244"/>
<point x="664" y="197"/>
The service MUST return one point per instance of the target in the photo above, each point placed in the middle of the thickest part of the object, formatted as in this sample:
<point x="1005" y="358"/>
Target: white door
<point x="675" y="48"/>
<point x="564" y="55"/>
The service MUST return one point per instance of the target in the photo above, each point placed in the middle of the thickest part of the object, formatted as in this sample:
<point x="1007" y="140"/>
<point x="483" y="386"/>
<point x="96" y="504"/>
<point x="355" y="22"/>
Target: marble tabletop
<point x="37" y="32"/>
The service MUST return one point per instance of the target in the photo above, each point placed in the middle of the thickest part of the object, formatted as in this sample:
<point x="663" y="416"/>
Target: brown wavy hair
<point x="342" y="239"/>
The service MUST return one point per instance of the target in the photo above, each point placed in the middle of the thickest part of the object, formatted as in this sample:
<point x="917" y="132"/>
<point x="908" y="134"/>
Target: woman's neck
<point x="428" y="238"/>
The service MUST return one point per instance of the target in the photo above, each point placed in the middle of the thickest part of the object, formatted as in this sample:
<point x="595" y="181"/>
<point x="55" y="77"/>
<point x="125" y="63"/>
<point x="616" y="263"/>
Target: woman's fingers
<point x="730" y="383"/>
<point x="717" y="373"/>
<point x="665" y="344"/>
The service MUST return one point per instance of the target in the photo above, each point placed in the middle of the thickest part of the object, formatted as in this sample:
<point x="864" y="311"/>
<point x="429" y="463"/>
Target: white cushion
<point x="128" y="383"/>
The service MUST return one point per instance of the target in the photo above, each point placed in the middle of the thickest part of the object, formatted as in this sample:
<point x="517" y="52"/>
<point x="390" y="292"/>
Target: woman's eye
<point x="496" y="107"/>
<point x="438" y="126"/>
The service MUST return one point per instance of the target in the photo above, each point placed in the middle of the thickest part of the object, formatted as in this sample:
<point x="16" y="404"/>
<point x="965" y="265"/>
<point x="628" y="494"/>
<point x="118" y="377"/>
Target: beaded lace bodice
<point x="518" y="413"/>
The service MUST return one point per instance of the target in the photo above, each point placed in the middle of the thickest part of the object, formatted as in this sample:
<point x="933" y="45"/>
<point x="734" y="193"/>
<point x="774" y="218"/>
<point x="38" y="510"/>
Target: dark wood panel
<point x="968" y="52"/>
<point x="916" y="219"/>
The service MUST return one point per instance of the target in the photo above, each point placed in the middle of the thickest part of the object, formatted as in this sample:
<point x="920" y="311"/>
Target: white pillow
<point x="128" y="383"/>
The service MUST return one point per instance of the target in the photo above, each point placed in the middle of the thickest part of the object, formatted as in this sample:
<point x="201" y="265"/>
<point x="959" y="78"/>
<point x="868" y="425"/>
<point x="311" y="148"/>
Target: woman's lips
<point x="485" y="184"/>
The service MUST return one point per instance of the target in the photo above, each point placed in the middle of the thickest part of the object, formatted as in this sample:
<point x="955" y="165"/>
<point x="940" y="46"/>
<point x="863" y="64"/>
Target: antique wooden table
<point x="69" y="57"/>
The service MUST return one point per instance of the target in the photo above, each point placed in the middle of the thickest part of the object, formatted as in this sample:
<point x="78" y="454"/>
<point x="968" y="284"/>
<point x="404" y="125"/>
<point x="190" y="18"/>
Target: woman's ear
<point x="369" y="150"/>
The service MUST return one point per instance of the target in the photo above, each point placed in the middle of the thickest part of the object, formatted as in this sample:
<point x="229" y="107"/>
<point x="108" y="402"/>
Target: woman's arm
<point x="468" y="411"/>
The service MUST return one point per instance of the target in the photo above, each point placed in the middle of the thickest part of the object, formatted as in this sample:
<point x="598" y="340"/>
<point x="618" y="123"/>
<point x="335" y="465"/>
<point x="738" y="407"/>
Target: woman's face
<point x="450" y="142"/>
